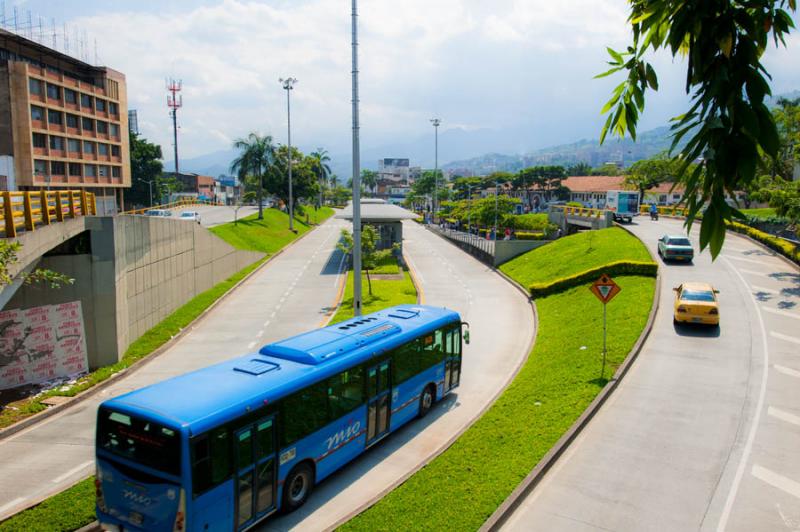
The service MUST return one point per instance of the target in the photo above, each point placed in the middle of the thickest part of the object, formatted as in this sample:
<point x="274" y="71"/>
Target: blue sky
<point x="525" y="66"/>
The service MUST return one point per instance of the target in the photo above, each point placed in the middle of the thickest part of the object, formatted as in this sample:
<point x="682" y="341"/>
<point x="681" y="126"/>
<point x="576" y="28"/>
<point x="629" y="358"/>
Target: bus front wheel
<point x="426" y="400"/>
<point x="297" y="487"/>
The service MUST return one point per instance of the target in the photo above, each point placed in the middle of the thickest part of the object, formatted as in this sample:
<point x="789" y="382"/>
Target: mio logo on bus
<point x="344" y="435"/>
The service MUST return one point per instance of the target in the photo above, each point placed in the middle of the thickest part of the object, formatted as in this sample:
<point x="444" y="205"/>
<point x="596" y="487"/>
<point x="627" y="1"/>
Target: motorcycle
<point x="654" y="215"/>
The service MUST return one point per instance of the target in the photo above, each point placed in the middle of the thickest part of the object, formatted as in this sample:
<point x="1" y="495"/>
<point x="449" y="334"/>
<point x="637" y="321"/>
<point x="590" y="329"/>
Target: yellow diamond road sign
<point x="605" y="288"/>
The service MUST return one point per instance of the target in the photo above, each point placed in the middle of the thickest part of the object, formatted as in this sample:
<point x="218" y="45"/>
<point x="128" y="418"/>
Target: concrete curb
<point x="366" y="505"/>
<point x="512" y="502"/>
<point x="36" y="418"/>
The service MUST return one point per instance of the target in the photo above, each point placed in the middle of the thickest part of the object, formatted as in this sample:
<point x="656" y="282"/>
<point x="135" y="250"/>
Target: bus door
<point x="452" y="360"/>
<point x="379" y="401"/>
<point x="255" y="471"/>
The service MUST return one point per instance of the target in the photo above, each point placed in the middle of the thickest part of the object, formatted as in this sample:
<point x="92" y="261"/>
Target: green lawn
<point x="385" y="293"/>
<point x="69" y="510"/>
<point x="462" y="487"/>
<point x="766" y="212"/>
<point x="270" y="234"/>
<point x="387" y="265"/>
<point x="574" y="254"/>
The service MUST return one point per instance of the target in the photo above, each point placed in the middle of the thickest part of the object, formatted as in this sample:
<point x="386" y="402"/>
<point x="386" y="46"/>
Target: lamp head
<point x="288" y="83"/>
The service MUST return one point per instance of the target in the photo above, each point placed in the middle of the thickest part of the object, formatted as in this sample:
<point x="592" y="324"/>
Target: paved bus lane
<point x="501" y="331"/>
<point x="701" y="433"/>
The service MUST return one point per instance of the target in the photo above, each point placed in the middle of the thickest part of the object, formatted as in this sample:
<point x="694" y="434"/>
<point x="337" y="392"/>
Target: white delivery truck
<point x="624" y="204"/>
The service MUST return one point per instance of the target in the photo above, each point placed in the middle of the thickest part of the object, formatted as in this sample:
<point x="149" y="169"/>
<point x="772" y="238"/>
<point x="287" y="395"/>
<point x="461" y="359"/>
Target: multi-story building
<point x="63" y="122"/>
<point x="194" y="185"/>
<point x="396" y="170"/>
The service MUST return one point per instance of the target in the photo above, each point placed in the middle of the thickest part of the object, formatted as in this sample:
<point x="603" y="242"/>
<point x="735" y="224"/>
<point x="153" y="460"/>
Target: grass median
<point x="385" y="293"/>
<point x="463" y="486"/>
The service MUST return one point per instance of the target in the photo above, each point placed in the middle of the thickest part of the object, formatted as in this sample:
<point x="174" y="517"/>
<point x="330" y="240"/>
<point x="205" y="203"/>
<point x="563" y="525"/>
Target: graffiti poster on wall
<point x="41" y="344"/>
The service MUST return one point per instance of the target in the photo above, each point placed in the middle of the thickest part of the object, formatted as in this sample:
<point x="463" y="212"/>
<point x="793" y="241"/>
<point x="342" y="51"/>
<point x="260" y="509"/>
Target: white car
<point x="190" y="215"/>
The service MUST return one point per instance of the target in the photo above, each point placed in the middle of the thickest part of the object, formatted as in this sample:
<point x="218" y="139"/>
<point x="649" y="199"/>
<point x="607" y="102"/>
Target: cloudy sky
<point x="521" y="65"/>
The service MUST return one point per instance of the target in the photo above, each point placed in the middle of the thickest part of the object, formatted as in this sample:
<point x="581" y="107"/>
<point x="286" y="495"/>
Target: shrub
<point x="785" y="248"/>
<point x="622" y="267"/>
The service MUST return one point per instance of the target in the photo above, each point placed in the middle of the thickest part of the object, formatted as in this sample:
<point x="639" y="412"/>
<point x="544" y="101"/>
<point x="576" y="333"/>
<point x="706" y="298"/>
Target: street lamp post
<point x="356" y="168"/>
<point x="495" y="209"/>
<point x="288" y="85"/>
<point x="436" y="122"/>
<point x="150" y="183"/>
<point x="469" y="209"/>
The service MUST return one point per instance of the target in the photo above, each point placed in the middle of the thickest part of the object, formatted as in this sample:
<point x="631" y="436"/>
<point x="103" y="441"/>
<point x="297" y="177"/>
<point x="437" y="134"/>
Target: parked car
<point x="190" y="215"/>
<point x="158" y="212"/>
<point x="696" y="303"/>
<point x="675" y="247"/>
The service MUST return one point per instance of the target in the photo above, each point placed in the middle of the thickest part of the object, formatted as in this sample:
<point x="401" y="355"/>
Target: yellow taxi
<point x="696" y="303"/>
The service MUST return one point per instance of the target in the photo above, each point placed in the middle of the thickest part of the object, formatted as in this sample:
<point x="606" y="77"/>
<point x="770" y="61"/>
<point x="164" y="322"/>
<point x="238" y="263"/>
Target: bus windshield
<point x="141" y="441"/>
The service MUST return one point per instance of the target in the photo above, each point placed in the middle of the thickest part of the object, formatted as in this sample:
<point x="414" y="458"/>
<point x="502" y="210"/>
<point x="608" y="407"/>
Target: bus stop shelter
<point x="387" y="218"/>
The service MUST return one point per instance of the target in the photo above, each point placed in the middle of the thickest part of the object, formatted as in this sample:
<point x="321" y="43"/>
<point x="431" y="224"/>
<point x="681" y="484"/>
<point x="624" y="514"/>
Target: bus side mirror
<point x="466" y="337"/>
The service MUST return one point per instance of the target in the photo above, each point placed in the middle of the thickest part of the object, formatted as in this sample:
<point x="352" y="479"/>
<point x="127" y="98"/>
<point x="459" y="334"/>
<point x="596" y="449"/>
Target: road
<point x="291" y="294"/>
<point x="211" y="215"/>
<point x="703" y="433"/>
<point x="501" y="325"/>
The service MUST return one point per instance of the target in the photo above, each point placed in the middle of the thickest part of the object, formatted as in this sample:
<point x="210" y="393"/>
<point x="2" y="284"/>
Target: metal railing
<point x="184" y="202"/>
<point x="585" y="212"/>
<point x="473" y="244"/>
<point x="25" y="211"/>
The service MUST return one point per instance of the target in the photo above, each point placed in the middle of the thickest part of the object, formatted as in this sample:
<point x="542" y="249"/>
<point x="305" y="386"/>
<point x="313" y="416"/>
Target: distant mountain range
<point x="480" y="151"/>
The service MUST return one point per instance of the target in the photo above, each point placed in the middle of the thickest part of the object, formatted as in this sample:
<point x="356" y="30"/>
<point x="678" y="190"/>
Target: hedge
<point x="787" y="249"/>
<point x="622" y="267"/>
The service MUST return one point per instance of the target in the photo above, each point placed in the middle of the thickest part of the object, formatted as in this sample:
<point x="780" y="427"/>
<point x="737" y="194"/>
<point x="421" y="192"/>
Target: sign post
<point x="604" y="289"/>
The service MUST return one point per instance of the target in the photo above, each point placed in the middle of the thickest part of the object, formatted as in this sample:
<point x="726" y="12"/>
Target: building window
<point x="35" y="86"/>
<point x="101" y="105"/>
<point x="114" y="130"/>
<point x="88" y="124"/>
<point x="70" y="96"/>
<point x="102" y="127"/>
<point x="115" y="150"/>
<point x="88" y="147"/>
<point x="74" y="168"/>
<point x="89" y="170"/>
<point x="86" y="101"/>
<point x="53" y="92"/>
<point x="102" y="149"/>
<point x="56" y="143"/>
<point x="116" y="171"/>
<point x="57" y="167"/>
<point x="37" y="113"/>
<point x="113" y="108"/>
<point x="72" y="121"/>
<point x="104" y="171"/>
<point x="39" y="167"/>
<point x="54" y="117"/>
<point x="74" y="145"/>
<point x="39" y="141"/>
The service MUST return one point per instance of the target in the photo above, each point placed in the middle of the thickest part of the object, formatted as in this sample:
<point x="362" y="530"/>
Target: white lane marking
<point x="272" y="315"/>
<point x="777" y="481"/>
<point x="266" y="323"/>
<point x="72" y="471"/>
<point x="782" y="313"/>
<point x="751" y="436"/>
<point x="251" y="345"/>
<point x="752" y="272"/>
<point x="765" y="289"/>
<point x="734" y="257"/>
<point x="283" y="299"/>
<point x="260" y="333"/>
<point x="786" y="371"/>
<point x="11" y="504"/>
<point x="785" y="337"/>
<point x="783" y="415"/>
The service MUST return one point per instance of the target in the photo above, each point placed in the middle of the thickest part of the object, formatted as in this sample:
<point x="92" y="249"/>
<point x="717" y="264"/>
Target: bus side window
<point x="433" y="352"/>
<point x="346" y="391"/>
<point x="304" y="412"/>
<point x="210" y="460"/>
<point x="406" y="361"/>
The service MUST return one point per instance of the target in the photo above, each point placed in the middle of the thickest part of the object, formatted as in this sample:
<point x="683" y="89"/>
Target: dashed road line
<point x="787" y="371"/>
<point x="72" y="471"/>
<point x="251" y="345"/>
<point x="266" y="323"/>
<point x="776" y="481"/>
<point x="260" y="333"/>
<point x="785" y="337"/>
<point x="783" y="415"/>
<point x="782" y="313"/>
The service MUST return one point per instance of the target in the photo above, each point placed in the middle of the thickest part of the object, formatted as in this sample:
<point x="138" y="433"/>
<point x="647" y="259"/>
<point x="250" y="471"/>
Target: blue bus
<point x="224" y="447"/>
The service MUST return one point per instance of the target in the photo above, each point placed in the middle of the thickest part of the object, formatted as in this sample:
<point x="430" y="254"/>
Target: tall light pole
<point x="356" y="173"/>
<point x="288" y="85"/>
<point x="436" y="122"/>
<point x="150" y="183"/>
<point x="495" y="209"/>
<point x="469" y="209"/>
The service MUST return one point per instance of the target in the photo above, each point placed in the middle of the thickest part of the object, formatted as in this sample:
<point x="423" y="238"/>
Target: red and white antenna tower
<point x="175" y="102"/>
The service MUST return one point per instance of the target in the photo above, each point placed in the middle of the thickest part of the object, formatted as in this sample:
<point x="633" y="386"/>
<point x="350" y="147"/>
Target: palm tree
<point x="321" y="167"/>
<point x="257" y="155"/>
<point x="334" y="181"/>
<point x="370" y="179"/>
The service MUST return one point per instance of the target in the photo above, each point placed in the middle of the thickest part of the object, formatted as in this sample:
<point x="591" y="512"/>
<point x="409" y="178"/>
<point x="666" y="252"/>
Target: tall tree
<point x="255" y="159"/>
<point x="728" y="124"/>
<point x="304" y="180"/>
<point x="320" y="164"/>
<point x="648" y="173"/>
<point x="579" y="169"/>
<point x="370" y="180"/>
<point x="146" y="168"/>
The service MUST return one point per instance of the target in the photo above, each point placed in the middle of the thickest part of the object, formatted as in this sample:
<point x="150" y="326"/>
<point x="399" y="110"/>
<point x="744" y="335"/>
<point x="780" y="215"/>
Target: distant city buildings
<point x="396" y="170"/>
<point x="198" y="186"/>
<point x="63" y="122"/>
<point x="133" y="121"/>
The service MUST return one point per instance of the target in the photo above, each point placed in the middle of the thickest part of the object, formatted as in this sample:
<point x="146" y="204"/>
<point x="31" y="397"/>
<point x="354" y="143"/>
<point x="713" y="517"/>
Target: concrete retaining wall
<point x="140" y="270"/>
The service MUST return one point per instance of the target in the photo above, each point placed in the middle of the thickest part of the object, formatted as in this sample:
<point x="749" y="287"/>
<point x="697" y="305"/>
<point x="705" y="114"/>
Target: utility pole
<point x="356" y="172"/>
<point x="175" y="102"/>
<point x="288" y="85"/>
<point x="436" y="122"/>
<point x="150" y="183"/>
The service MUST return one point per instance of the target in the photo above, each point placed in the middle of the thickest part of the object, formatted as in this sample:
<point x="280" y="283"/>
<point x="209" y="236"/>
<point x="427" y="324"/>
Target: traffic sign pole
<point x="603" y="370"/>
<point x="605" y="289"/>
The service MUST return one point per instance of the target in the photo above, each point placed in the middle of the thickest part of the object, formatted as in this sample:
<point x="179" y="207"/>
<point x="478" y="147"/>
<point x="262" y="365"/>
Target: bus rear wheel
<point x="426" y="400"/>
<point x="298" y="486"/>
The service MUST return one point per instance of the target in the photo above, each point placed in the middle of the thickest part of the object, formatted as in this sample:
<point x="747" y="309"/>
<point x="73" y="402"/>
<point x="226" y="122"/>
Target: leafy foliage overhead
<point x="729" y="126"/>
